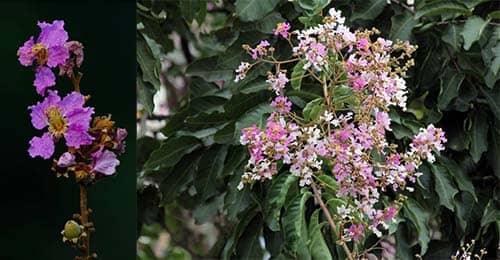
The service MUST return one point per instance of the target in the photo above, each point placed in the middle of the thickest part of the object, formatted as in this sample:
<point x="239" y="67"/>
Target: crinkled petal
<point x="72" y="101"/>
<point x="26" y="56"/>
<point x="77" y="135"/>
<point x="80" y="116"/>
<point x="44" y="78"/>
<point x="67" y="159"/>
<point x="42" y="146"/>
<point x="39" y="118"/>
<point x="105" y="162"/>
<point x="53" y="34"/>
<point x="57" y="56"/>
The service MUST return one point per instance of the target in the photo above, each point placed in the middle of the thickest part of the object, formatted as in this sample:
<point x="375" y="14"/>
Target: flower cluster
<point x="91" y="148"/>
<point x="51" y="49"/>
<point x="346" y="139"/>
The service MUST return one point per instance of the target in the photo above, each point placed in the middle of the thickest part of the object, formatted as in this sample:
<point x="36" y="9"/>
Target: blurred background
<point x="34" y="203"/>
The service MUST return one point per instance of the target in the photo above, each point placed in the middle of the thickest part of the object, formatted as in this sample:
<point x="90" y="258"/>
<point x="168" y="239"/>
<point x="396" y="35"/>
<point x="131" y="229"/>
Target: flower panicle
<point x="344" y="137"/>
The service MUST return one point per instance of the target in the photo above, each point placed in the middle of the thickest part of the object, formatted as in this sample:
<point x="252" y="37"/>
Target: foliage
<point x="195" y="171"/>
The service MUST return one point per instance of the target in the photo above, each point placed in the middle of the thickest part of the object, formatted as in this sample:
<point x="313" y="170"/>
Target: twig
<point x="329" y="219"/>
<point x="84" y="214"/>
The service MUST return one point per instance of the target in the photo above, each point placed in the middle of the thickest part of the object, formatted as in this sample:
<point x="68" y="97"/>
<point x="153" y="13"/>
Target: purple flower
<point x="104" y="161"/>
<point x="66" y="117"/>
<point x="48" y="51"/>
<point x="282" y="29"/>
<point x="282" y="104"/>
<point x="260" y="50"/>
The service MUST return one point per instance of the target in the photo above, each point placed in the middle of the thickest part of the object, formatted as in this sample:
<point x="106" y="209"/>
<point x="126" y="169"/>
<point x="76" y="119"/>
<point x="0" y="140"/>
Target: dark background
<point x="34" y="203"/>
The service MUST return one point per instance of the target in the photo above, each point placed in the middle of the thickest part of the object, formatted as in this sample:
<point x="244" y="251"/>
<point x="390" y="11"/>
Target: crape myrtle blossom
<point x="277" y="81"/>
<point x="282" y="29"/>
<point x="347" y="142"/>
<point x="260" y="50"/>
<point x="104" y="161"/>
<point x="48" y="51"/>
<point x="65" y="117"/>
<point x="241" y="71"/>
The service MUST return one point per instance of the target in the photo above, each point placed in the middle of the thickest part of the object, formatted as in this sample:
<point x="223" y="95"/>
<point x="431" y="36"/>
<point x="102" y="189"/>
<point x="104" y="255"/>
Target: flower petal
<point x="38" y="117"/>
<point x="80" y="116"/>
<point x="42" y="146"/>
<point x="105" y="162"/>
<point x="44" y="78"/>
<point x="77" y="135"/>
<point x="57" y="56"/>
<point x="66" y="159"/>
<point x="72" y="101"/>
<point x="26" y="57"/>
<point x="53" y="34"/>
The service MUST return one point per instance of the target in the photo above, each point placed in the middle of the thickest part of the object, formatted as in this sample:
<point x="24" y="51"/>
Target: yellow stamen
<point x="42" y="52"/>
<point x="57" y="123"/>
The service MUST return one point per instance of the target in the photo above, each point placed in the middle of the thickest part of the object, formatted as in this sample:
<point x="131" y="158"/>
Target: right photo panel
<point x="318" y="129"/>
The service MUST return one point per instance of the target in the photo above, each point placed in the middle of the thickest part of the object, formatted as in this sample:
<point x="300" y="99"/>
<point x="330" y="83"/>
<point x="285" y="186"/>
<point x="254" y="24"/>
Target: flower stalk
<point x="92" y="143"/>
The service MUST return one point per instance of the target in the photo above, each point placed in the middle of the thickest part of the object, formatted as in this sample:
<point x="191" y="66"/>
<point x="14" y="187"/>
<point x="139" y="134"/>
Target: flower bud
<point x="72" y="231"/>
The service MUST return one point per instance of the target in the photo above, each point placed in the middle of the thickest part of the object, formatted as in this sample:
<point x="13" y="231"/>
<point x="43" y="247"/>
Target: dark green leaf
<point x="248" y="247"/>
<point x="369" y="10"/>
<point x="294" y="226"/>
<point x="479" y="135"/>
<point x="452" y="36"/>
<point x="171" y="151"/>
<point x="252" y="10"/>
<point x="490" y="214"/>
<point x="419" y="217"/>
<point x="472" y="31"/>
<point x="450" y="85"/>
<point x="275" y="198"/>
<point x="440" y="8"/>
<point x="209" y="169"/>
<point x="209" y="70"/>
<point x="444" y="186"/>
<point x="402" y="26"/>
<point x="317" y="245"/>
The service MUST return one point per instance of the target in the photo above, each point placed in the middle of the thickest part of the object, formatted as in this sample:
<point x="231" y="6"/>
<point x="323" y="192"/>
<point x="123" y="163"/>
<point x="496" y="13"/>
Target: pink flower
<point x="356" y="231"/>
<point x="358" y="83"/>
<point x="260" y="49"/>
<point x="390" y="213"/>
<point x="363" y="43"/>
<point x="282" y="29"/>
<point x="282" y="104"/>
<point x="277" y="82"/>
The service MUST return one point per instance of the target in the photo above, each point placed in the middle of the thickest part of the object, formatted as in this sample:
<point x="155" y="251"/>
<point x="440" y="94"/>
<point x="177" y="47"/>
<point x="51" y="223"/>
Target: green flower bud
<point x="72" y="229"/>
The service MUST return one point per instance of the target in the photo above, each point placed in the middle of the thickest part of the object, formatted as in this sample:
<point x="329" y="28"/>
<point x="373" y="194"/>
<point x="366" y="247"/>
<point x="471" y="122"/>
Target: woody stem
<point x="84" y="214"/>
<point x="329" y="218"/>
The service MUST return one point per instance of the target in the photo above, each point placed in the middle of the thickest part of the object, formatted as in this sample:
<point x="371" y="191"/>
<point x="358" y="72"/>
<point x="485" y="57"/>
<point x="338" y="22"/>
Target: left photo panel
<point x="68" y="163"/>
